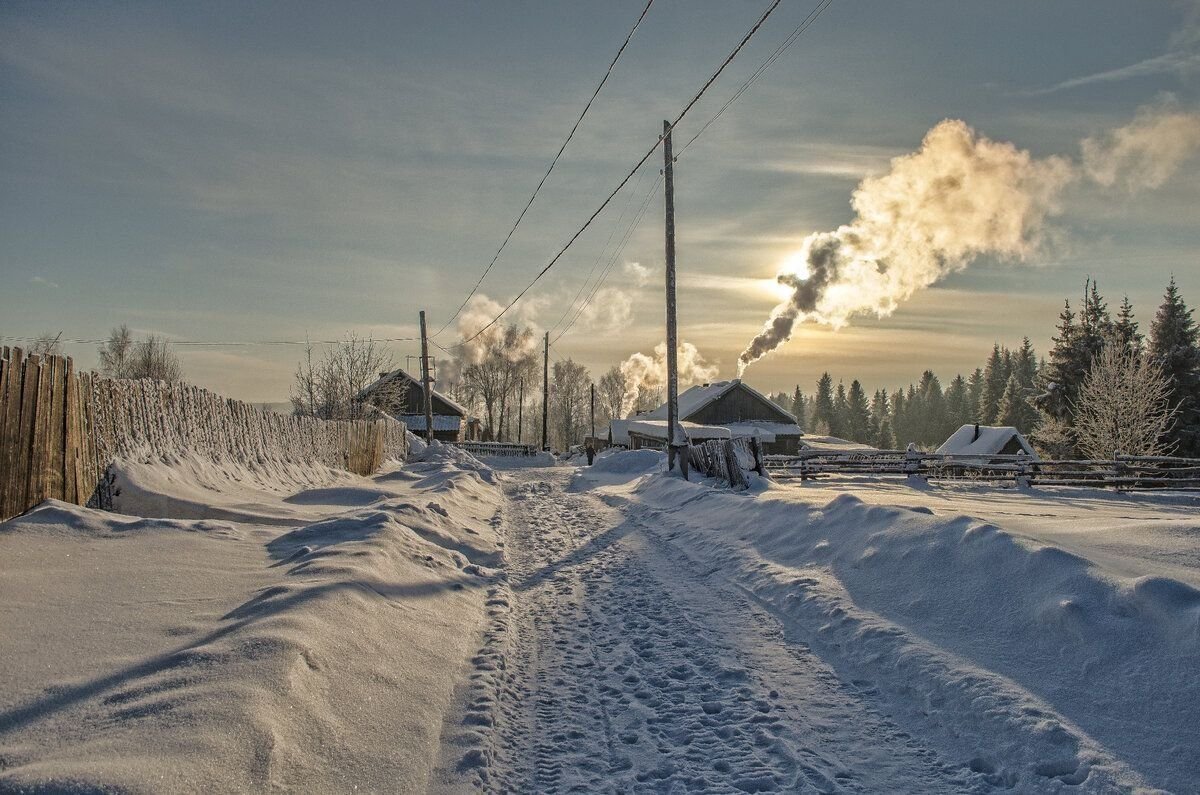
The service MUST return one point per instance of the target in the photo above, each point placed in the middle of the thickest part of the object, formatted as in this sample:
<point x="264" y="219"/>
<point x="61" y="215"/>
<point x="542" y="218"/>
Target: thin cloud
<point x="39" y="280"/>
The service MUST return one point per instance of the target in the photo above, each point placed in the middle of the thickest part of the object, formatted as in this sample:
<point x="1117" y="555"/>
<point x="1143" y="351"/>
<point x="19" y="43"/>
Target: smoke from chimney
<point x="960" y="196"/>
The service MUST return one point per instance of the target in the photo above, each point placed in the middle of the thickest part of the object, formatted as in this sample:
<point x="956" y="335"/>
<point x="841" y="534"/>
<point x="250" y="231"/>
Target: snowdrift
<point x="1037" y="665"/>
<point x="202" y="654"/>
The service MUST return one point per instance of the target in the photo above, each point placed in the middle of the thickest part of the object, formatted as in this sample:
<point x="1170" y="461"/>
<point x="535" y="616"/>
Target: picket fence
<point x="60" y="430"/>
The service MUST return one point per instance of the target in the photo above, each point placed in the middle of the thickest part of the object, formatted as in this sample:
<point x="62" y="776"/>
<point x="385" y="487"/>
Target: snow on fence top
<point x="59" y="431"/>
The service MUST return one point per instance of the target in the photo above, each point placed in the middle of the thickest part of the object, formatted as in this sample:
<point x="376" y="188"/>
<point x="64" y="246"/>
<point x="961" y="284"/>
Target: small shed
<point x="652" y="434"/>
<point x="984" y="441"/>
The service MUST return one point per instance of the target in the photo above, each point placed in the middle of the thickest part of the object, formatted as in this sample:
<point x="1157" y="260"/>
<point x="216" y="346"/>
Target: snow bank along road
<point x="444" y="626"/>
<point x="655" y="635"/>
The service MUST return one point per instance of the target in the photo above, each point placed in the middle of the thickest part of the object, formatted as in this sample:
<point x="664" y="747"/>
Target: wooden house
<point x="399" y="395"/>
<point x="738" y="407"/>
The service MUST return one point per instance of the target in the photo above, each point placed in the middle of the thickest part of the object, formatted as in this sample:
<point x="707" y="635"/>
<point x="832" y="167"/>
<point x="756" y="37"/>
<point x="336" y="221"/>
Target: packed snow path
<point x="613" y="665"/>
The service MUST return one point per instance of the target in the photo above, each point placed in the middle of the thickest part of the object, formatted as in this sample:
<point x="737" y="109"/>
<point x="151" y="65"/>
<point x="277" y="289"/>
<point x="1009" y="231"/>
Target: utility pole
<point x="593" y="412"/>
<point x="426" y="382"/>
<point x="674" y="443"/>
<point x="520" y="409"/>
<point x="546" y="392"/>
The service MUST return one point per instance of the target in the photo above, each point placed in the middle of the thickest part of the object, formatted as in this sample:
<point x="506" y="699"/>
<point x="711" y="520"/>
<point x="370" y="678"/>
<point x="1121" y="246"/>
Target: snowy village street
<point x="631" y="667"/>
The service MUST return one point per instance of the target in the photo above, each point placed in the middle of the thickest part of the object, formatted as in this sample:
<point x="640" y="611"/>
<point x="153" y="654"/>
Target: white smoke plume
<point x="1146" y="152"/>
<point x="959" y="196"/>
<point x="500" y="339"/>
<point x="648" y="374"/>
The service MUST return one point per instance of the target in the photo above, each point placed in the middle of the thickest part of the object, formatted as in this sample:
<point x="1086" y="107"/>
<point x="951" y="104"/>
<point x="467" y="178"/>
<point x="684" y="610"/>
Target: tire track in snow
<point x="612" y="665"/>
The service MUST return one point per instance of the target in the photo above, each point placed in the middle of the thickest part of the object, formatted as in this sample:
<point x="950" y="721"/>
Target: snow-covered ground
<point x="445" y="626"/>
<point x="1053" y="640"/>
<point x="309" y="637"/>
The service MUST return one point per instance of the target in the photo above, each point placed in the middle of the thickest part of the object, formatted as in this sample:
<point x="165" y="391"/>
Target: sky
<point x="247" y="172"/>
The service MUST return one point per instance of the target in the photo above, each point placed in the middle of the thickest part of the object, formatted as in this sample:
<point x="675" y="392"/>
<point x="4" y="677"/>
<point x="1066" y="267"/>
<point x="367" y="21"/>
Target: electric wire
<point x="804" y="25"/>
<point x="553" y="163"/>
<point x="670" y="126"/>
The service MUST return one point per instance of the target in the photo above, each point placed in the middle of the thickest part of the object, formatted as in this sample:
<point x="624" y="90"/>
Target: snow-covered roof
<point x="441" y="422"/>
<point x="985" y="440"/>
<point x="832" y="444"/>
<point x="697" y="397"/>
<point x="763" y="430"/>
<point x="657" y="429"/>
<point x="618" y="432"/>
<point x="387" y="378"/>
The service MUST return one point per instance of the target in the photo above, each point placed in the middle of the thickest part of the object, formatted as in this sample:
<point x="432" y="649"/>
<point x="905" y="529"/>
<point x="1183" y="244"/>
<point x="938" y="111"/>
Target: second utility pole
<point x="426" y="382"/>
<point x="545" y="391"/>
<point x="676" y="446"/>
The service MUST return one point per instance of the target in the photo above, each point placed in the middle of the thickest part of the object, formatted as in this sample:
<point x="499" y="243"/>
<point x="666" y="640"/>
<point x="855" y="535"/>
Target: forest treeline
<point x="1103" y="386"/>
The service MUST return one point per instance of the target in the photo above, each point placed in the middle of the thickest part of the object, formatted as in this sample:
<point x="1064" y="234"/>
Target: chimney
<point x="975" y="438"/>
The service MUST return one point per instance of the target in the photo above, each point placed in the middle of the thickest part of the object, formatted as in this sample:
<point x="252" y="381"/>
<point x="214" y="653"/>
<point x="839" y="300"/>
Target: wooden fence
<point x="60" y="430"/>
<point x="1119" y="472"/>
<point x="729" y="460"/>
<point x="508" y="449"/>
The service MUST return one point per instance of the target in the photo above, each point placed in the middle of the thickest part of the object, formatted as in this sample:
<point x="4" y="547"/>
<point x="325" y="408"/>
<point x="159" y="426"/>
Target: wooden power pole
<point x="675" y="445"/>
<point x="520" y="408"/>
<point x="426" y="382"/>
<point x="546" y="393"/>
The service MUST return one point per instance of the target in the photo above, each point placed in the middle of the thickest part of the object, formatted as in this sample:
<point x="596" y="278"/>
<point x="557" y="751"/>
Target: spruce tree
<point x="858" y="414"/>
<point x="1060" y="377"/>
<point x="1126" y="328"/>
<point x="822" y="413"/>
<point x="839" y="421"/>
<point x="994" y="379"/>
<point x="879" y="414"/>
<point x="934" y="427"/>
<point x="797" y="407"/>
<point x="1014" y="409"/>
<point x="899" y="431"/>
<point x="1025" y="364"/>
<point x="958" y="412"/>
<point x="885" y="440"/>
<point x="1174" y="346"/>
<point x="974" y="395"/>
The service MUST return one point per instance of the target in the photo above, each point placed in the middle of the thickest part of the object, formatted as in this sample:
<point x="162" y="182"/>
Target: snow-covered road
<point x="615" y="665"/>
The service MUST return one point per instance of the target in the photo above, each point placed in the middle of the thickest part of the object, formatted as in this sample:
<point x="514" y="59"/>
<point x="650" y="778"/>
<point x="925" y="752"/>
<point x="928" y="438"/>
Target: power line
<point x="634" y="224"/>
<point x="599" y="256"/>
<point x="216" y="343"/>
<point x="804" y="25"/>
<point x="553" y="163"/>
<point x="770" y="9"/>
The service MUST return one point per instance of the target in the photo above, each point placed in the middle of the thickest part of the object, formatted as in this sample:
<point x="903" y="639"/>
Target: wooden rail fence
<point x="60" y="430"/>
<point x="1119" y="472"/>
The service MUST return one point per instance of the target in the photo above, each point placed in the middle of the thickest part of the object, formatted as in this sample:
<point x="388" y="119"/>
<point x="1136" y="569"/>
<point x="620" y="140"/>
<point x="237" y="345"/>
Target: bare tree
<point x="569" y="404"/>
<point x="116" y="354"/>
<point x="47" y="345"/>
<point x="491" y="370"/>
<point x="1124" y="404"/>
<point x="611" y="392"/>
<point x="331" y="388"/>
<point x="153" y="358"/>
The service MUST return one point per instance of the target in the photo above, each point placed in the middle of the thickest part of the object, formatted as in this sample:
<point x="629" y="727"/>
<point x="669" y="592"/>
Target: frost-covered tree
<point x="329" y="388"/>
<point x="153" y="358"/>
<point x="1126" y="328"/>
<point x="1175" y="348"/>
<point x="116" y="354"/>
<point x="610" y="394"/>
<point x="569" y="404"/>
<point x="1124" y="405"/>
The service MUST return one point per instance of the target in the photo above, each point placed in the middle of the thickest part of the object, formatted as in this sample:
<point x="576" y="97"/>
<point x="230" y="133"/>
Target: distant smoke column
<point x="959" y="196"/>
